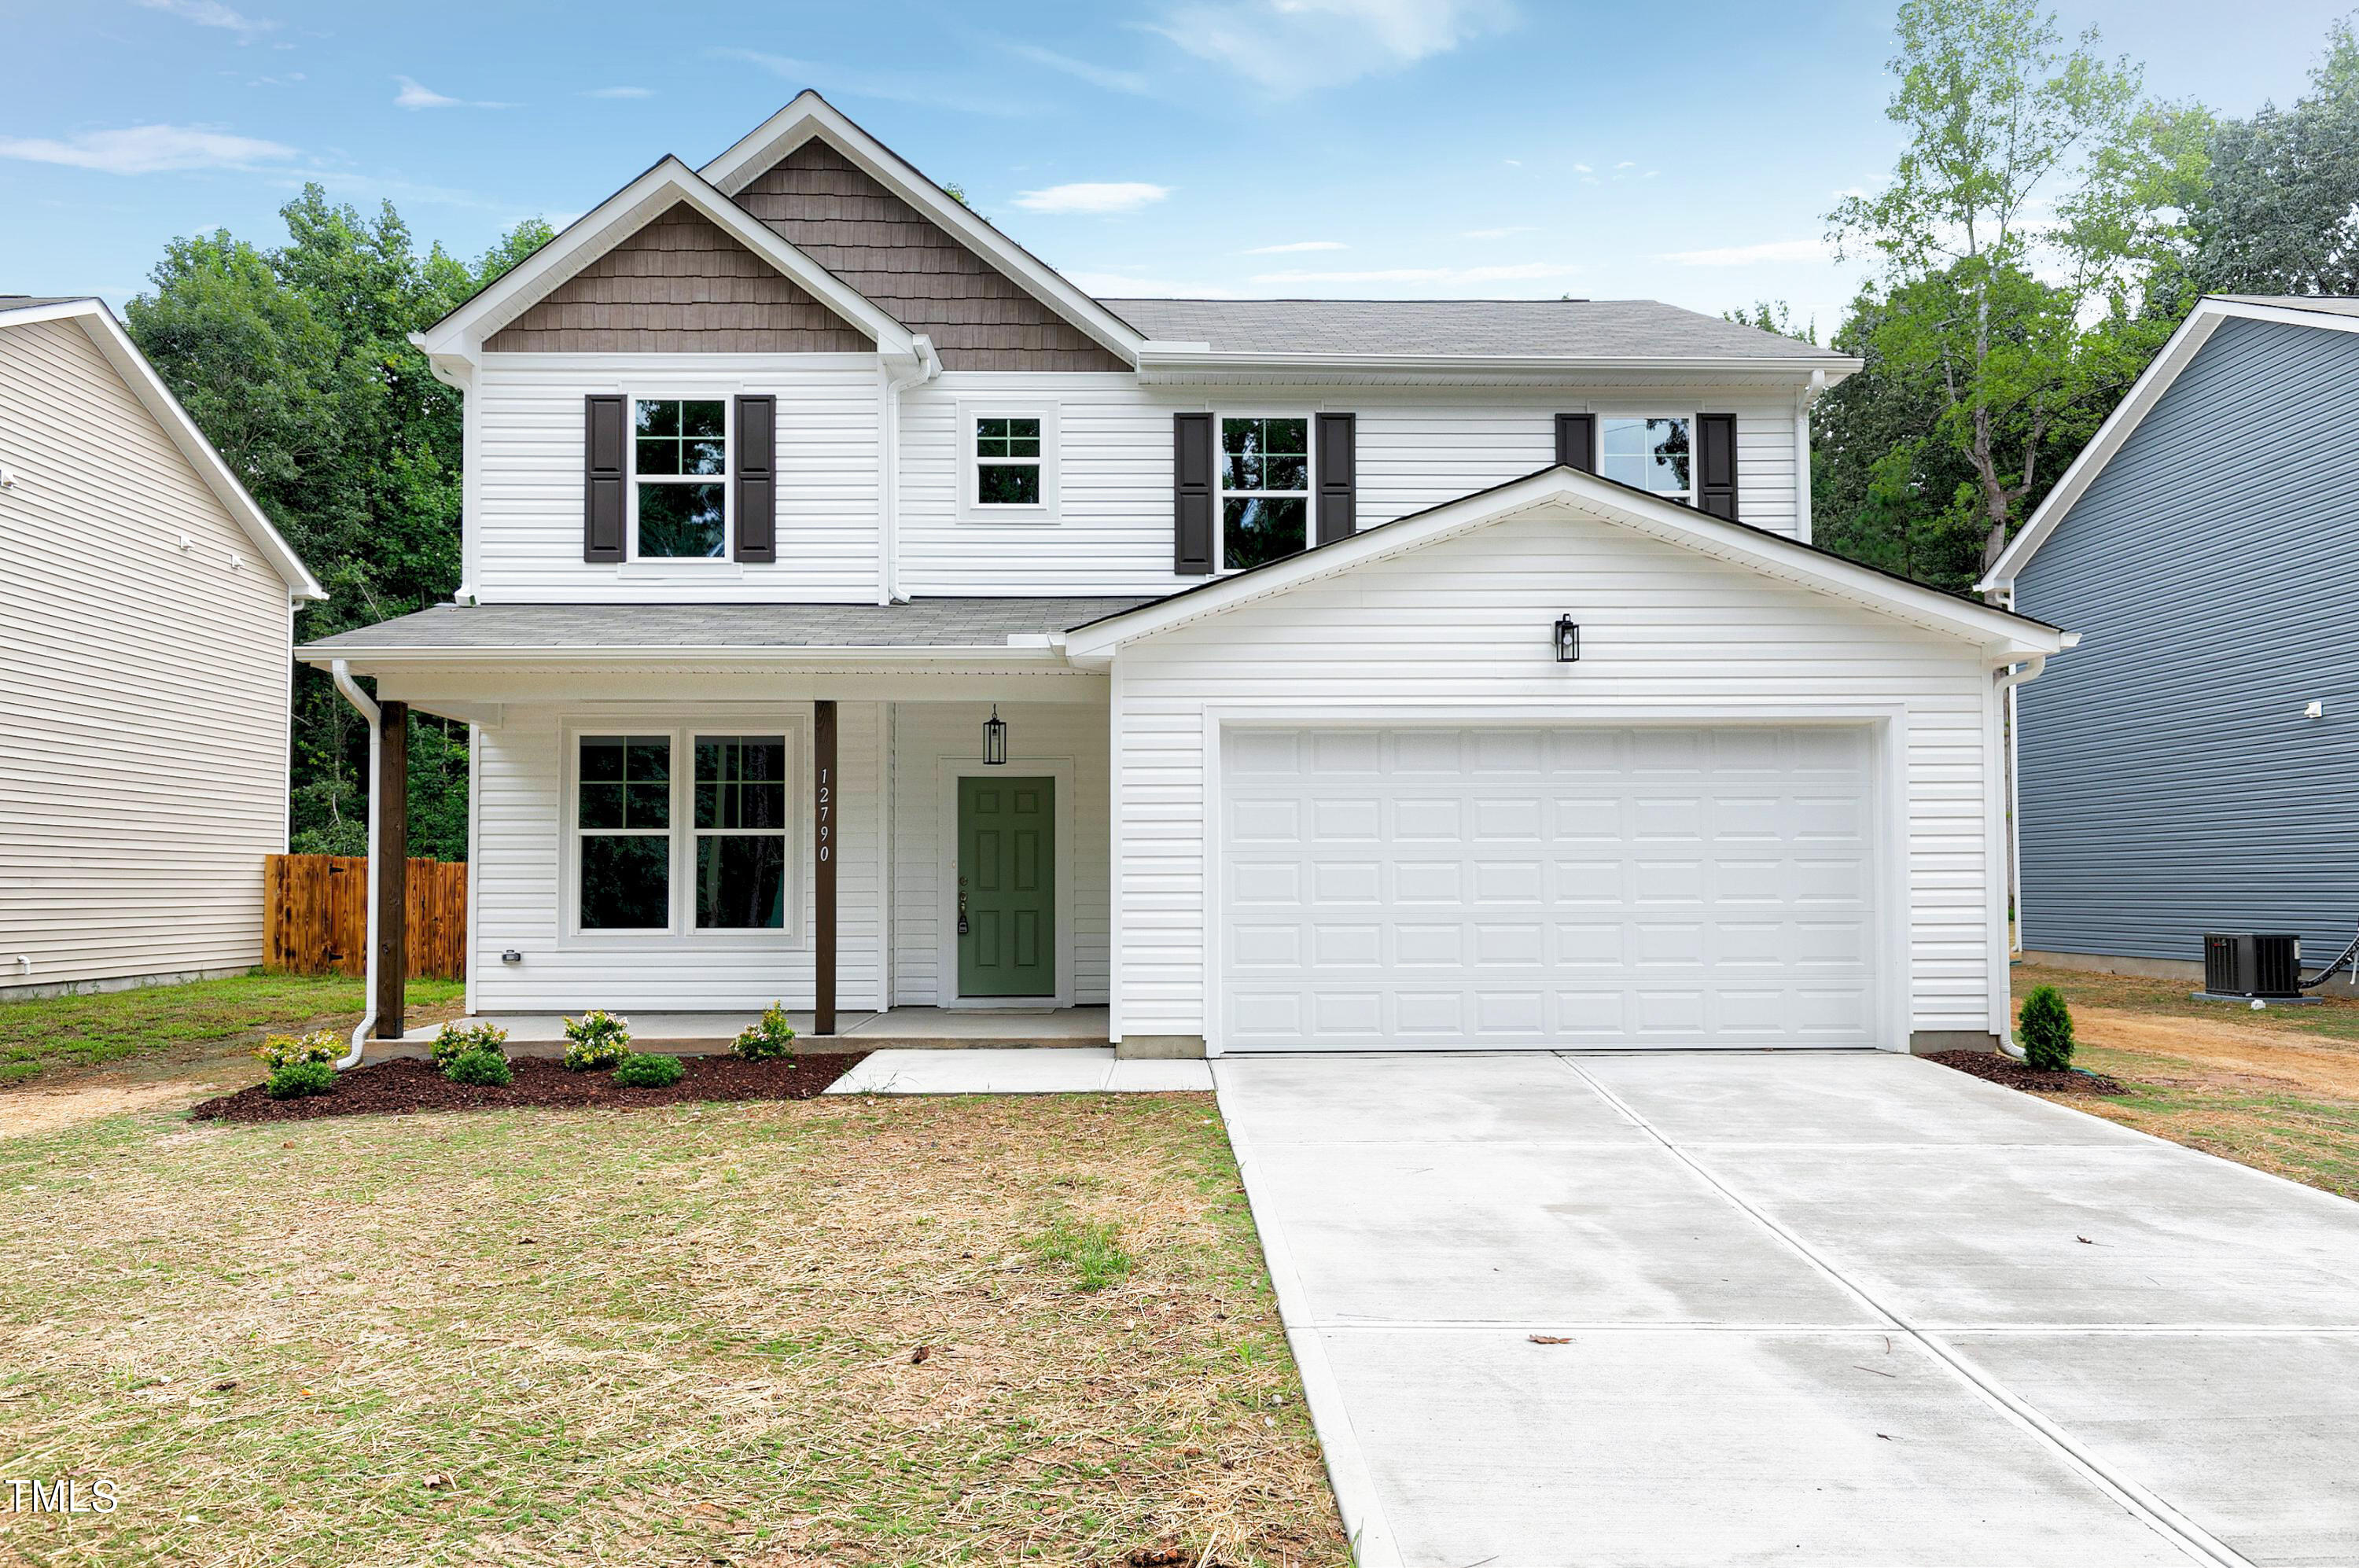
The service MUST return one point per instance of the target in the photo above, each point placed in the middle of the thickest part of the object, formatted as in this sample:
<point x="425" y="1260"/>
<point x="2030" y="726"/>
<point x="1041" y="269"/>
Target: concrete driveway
<point x="1823" y="1309"/>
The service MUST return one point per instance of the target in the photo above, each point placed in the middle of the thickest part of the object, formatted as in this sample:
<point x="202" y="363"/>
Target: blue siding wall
<point x="2170" y="782"/>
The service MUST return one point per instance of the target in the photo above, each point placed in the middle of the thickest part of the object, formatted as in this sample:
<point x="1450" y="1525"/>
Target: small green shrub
<point x="293" y="1080"/>
<point x="484" y="1067"/>
<point x="2047" y="1031"/>
<point x="457" y="1039"/>
<point x="771" y="1040"/>
<point x="1093" y="1251"/>
<point x="596" y="1039"/>
<point x="639" y="1071"/>
<point x="322" y="1046"/>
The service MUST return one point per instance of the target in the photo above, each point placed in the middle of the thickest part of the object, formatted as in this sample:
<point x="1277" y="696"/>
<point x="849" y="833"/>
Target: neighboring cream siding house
<point x="914" y="631"/>
<point x="146" y="611"/>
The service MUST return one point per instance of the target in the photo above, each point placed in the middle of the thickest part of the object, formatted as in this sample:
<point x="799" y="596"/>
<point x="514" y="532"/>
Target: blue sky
<point x="1380" y="148"/>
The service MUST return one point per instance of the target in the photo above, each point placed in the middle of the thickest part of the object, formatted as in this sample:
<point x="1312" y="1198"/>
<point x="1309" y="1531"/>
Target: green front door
<point x="1007" y="882"/>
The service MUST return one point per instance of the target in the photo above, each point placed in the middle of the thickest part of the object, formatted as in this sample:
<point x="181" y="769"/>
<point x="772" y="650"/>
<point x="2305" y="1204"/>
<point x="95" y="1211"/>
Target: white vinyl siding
<point x="1417" y="448"/>
<point x="525" y="512"/>
<point x="1461" y="630"/>
<point x="521" y="776"/>
<point x="924" y="736"/>
<point x="143" y="695"/>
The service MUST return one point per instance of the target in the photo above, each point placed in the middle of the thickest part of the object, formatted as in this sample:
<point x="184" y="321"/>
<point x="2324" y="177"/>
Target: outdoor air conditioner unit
<point x="2252" y="963"/>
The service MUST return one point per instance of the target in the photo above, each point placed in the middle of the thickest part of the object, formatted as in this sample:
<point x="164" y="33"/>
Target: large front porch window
<point x="741" y="833"/>
<point x="624" y="817"/>
<point x="682" y="832"/>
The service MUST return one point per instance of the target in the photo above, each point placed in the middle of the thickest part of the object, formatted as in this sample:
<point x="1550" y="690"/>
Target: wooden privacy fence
<point x="318" y="915"/>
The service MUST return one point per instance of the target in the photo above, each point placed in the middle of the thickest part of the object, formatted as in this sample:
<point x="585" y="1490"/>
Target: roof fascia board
<point x="1770" y="554"/>
<point x="2176" y="354"/>
<point x="465" y="330"/>
<point x="812" y="116"/>
<point x="106" y="334"/>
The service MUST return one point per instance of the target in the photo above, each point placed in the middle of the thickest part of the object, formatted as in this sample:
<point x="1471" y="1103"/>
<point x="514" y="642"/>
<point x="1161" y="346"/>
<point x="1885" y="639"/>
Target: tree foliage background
<point x="2044" y="231"/>
<point x="295" y="361"/>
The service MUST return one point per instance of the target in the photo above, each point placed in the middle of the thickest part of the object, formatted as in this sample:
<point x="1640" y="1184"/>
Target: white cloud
<point x="620" y="93"/>
<point x="1289" y="46"/>
<point x="1514" y="272"/>
<point x="413" y="96"/>
<point x="1496" y="234"/>
<point x="1296" y="246"/>
<point x="1123" y="286"/>
<point x="211" y="13"/>
<point x="1626" y="163"/>
<point x="1752" y="255"/>
<point x="1120" y="196"/>
<point x="149" y="149"/>
<point x="1095" y="75"/>
<point x="1582" y="168"/>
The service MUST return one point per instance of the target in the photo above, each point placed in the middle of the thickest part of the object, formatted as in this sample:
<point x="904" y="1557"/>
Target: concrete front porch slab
<point x="699" y="1033"/>
<point x="1071" y="1070"/>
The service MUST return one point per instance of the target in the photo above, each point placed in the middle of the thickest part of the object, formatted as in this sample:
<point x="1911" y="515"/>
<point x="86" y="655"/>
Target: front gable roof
<point x="2004" y="634"/>
<point x="812" y="116"/>
<point x="670" y="184"/>
<point x="98" y="323"/>
<point x="2326" y="314"/>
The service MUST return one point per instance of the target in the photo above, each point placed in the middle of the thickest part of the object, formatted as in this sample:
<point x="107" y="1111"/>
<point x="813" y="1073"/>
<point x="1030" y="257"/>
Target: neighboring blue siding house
<point x="2170" y="779"/>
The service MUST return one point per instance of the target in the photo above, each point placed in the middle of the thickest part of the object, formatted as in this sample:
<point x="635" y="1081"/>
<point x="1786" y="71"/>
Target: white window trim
<point x="973" y="510"/>
<point x="683" y="930"/>
<point x="1695" y="455"/>
<point x="1220" y="492"/>
<point x="727" y="479"/>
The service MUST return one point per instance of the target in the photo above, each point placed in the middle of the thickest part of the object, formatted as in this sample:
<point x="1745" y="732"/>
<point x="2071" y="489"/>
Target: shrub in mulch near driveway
<point x="2016" y="1074"/>
<point x="392" y="1088"/>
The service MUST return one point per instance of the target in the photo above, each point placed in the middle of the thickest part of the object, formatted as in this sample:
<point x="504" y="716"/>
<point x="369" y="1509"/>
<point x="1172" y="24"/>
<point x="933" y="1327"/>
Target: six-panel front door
<point x="1006" y="887"/>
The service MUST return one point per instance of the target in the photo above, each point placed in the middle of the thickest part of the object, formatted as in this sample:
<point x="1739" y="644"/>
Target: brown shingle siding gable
<point x="680" y="284"/>
<point x="978" y="317"/>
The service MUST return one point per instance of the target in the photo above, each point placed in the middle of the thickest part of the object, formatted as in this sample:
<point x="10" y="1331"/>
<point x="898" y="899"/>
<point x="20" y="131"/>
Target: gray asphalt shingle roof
<point x="1522" y="328"/>
<point x="922" y="623"/>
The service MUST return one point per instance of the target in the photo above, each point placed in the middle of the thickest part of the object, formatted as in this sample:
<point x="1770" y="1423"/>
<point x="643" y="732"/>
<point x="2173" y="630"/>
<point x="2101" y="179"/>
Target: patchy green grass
<point x="86" y="1032"/>
<point x="2311" y="1138"/>
<point x="677" y="1337"/>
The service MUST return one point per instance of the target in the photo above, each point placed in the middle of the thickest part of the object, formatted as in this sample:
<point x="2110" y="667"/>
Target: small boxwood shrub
<point x="771" y="1040"/>
<point x="457" y="1039"/>
<point x="642" y="1072"/>
<point x="596" y="1039"/>
<point x="2047" y="1031"/>
<point x="293" y="1080"/>
<point x="321" y="1046"/>
<point x="483" y="1067"/>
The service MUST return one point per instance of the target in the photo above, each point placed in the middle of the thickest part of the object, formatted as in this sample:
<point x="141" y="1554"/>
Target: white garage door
<point x="1484" y="887"/>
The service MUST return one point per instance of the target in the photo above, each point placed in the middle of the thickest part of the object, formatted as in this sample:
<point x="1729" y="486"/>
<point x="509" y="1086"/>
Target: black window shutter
<point x="1191" y="494"/>
<point x="1338" y="486"/>
<point x="605" y="474"/>
<point x="758" y="483"/>
<point x="1576" y="441"/>
<point x="1716" y="464"/>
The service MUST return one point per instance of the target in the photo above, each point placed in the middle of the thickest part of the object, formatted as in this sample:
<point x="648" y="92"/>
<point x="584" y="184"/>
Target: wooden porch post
<point x="823" y="796"/>
<point x="391" y="870"/>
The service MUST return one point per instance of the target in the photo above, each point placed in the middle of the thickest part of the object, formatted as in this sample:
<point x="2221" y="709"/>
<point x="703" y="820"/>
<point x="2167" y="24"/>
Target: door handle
<point x="962" y="911"/>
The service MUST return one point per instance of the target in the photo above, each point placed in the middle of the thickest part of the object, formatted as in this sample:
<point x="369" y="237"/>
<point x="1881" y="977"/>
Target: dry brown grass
<point x="660" y="1338"/>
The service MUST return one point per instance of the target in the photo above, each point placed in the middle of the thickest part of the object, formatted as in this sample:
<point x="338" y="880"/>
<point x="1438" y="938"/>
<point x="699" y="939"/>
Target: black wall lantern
<point x="1568" y="641"/>
<point x="994" y="739"/>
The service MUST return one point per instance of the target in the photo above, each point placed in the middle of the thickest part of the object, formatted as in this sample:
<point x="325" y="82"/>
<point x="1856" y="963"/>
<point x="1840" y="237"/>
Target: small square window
<point x="1650" y="454"/>
<point x="1008" y="460"/>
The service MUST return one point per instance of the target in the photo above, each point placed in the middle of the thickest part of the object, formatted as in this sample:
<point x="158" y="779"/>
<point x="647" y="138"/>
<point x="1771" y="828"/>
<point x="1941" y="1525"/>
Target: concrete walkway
<point x="1821" y="1309"/>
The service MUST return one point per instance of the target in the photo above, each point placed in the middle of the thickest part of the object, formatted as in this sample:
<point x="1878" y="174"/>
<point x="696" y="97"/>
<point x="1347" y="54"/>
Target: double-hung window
<point x="680" y="470"/>
<point x="1654" y="453"/>
<point x="682" y="833"/>
<point x="1006" y="461"/>
<point x="1264" y="472"/>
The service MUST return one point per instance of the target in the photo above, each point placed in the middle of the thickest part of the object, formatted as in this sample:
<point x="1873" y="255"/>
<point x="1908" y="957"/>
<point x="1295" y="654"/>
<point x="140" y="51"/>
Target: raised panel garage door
<point x="1475" y="887"/>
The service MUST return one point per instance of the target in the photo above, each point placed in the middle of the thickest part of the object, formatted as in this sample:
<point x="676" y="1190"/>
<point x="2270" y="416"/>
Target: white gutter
<point x="923" y="369"/>
<point x="1012" y="657"/>
<point x="359" y="699"/>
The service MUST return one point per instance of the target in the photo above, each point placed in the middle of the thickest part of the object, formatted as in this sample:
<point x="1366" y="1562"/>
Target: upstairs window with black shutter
<point x="680" y="471"/>
<point x="1265" y="481"/>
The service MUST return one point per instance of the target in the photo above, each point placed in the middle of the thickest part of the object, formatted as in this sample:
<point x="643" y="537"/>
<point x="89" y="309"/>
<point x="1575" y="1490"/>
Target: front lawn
<point x="2277" y="1089"/>
<point x="82" y="1031"/>
<point x="852" y="1332"/>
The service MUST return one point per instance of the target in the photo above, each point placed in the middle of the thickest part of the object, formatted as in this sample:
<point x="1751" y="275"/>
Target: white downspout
<point x="923" y="369"/>
<point x="2009" y="681"/>
<point x="343" y="672"/>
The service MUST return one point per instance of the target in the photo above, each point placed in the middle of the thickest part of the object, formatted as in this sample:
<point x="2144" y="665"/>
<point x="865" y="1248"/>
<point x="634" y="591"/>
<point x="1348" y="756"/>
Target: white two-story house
<point x="858" y="613"/>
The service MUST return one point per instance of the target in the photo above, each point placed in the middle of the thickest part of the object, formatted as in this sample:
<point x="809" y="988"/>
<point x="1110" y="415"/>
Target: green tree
<point x="296" y="363"/>
<point x="2026" y="215"/>
<point x="1772" y="316"/>
<point x="2280" y="212"/>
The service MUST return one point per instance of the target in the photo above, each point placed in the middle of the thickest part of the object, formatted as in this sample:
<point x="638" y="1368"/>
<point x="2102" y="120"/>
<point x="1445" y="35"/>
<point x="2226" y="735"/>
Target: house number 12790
<point x="826" y="811"/>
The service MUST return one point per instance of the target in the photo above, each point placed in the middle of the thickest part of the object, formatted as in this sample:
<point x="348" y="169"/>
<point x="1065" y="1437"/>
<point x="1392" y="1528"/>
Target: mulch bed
<point x="1996" y="1069"/>
<point x="395" y="1088"/>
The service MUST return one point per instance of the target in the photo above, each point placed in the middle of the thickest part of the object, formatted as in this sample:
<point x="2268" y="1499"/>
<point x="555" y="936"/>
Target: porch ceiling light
<point x="994" y="739"/>
<point x="1568" y="641"/>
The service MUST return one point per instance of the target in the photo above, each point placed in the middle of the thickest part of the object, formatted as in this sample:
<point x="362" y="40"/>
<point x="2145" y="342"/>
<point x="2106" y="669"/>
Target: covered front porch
<point x="902" y="843"/>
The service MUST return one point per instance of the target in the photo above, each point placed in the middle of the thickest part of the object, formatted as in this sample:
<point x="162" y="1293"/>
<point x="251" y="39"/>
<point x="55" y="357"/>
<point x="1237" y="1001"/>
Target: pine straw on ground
<point x="678" y="1336"/>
